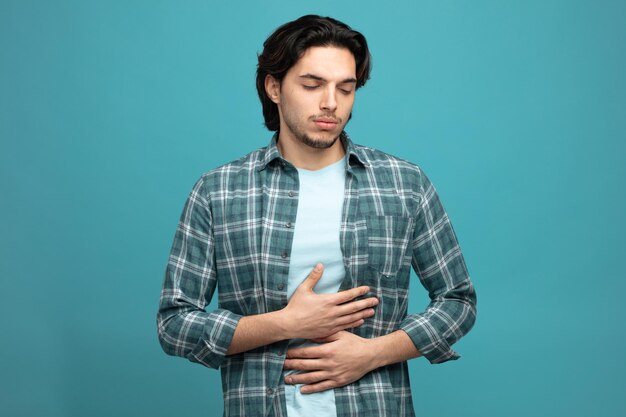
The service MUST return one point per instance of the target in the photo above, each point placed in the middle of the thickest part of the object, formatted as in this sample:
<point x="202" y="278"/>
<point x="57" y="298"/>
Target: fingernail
<point x="318" y="267"/>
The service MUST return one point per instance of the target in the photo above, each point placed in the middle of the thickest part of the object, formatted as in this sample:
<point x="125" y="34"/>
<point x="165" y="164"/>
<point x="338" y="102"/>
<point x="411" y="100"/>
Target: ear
<point x="272" y="88"/>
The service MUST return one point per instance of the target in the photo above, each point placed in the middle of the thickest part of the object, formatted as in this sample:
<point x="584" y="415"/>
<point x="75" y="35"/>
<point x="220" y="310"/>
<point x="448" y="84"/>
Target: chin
<point x="319" y="143"/>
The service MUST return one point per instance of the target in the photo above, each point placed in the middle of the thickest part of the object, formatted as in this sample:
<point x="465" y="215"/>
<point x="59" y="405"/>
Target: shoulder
<point x="383" y="164"/>
<point x="240" y="171"/>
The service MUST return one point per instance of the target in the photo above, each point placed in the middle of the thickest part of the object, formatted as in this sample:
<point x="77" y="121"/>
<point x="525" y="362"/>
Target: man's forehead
<point x="326" y="63"/>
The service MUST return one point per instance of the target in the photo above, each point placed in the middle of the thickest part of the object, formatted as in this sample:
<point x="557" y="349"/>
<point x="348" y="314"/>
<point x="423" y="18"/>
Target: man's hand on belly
<point x="342" y="359"/>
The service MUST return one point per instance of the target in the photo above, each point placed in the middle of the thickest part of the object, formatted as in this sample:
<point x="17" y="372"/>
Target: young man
<point x="311" y="240"/>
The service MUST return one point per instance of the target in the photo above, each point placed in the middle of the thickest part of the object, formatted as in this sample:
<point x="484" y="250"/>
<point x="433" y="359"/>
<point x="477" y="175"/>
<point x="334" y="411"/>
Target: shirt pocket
<point x="388" y="238"/>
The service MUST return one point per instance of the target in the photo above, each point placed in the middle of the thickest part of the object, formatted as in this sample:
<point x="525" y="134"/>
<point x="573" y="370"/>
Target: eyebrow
<point x="318" y="78"/>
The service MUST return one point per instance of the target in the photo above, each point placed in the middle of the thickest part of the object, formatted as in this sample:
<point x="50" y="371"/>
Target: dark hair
<point x="287" y="44"/>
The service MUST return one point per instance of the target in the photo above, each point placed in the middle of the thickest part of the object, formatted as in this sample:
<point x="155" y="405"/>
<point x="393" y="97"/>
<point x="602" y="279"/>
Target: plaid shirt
<point x="236" y="232"/>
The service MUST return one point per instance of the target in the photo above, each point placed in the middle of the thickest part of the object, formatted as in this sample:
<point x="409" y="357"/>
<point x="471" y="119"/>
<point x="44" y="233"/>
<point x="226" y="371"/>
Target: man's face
<point x="316" y="95"/>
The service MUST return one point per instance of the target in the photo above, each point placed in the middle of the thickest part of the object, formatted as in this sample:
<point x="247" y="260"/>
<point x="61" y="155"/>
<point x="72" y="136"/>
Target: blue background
<point x="109" y="112"/>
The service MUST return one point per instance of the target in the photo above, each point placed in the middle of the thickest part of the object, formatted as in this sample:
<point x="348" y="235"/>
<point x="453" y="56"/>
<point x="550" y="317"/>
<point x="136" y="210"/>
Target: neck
<point x="307" y="157"/>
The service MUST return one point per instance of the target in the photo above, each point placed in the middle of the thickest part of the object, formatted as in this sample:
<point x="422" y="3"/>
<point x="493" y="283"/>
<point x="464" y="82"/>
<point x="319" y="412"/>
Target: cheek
<point x="346" y="108"/>
<point x="298" y="103"/>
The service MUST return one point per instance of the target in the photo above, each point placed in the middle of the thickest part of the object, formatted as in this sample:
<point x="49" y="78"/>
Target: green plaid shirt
<point x="236" y="232"/>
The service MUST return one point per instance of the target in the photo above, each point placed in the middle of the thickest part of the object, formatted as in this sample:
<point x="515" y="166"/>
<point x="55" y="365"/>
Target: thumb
<point x="312" y="279"/>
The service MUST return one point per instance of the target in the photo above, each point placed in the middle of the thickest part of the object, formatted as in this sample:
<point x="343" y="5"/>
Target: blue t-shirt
<point x="316" y="239"/>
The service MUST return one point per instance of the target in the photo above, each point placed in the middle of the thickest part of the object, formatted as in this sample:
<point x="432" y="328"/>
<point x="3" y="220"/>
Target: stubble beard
<point x="317" y="143"/>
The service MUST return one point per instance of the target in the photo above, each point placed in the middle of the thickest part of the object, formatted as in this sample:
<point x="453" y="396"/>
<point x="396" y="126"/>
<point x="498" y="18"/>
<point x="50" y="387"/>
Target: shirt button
<point x="290" y="193"/>
<point x="281" y="286"/>
<point x="269" y="391"/>
<point x="288" y="225"/>
<point x="284" y="255"/>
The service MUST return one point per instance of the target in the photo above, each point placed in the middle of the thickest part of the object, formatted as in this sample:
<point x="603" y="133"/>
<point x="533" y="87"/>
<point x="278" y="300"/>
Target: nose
<point x="329" y="100"/>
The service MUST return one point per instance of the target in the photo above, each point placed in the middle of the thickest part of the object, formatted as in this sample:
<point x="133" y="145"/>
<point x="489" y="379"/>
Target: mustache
<point x="328" y="117"/>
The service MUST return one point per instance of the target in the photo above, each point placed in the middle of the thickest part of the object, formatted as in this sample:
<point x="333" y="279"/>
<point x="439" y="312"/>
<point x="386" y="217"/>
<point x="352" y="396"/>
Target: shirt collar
<point x="271" y="153"/>
<point x="354" y="153"/>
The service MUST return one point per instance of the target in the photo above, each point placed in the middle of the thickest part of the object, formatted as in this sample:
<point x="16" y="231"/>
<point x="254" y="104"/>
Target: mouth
<point x="326" y="123"/>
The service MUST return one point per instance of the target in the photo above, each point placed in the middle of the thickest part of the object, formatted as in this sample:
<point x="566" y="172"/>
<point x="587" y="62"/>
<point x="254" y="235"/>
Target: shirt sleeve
<point x="439" y="264"/>
<point x="184" y="327"/>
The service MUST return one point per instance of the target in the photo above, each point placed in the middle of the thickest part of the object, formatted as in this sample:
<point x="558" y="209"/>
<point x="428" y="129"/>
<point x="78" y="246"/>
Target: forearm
<point x="258" y="330"/>
<point x="392" y="348"/>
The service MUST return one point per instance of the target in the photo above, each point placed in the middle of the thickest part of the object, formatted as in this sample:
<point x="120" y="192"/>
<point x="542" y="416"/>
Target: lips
<point x="326" y="123"/>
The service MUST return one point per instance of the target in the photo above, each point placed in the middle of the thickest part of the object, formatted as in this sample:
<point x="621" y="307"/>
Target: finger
<point x="303" y="364"/>
<point x="348" y="295"/>
<point x="311" y="352"/>
<point x="357" y="306"/>
<point x="307" y="377"/>
<point x="346" y="320"/>
<point x="312" y="279"/>
<point x="352" y="325"/>
<point x="319" y="387"/>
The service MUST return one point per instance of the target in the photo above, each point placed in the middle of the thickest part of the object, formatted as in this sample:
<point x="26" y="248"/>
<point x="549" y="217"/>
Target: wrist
<point x="376" y="353"/>
<point x="282" y="321"/>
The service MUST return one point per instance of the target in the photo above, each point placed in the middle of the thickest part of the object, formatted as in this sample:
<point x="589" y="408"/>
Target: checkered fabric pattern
<point x="235" y="234"/>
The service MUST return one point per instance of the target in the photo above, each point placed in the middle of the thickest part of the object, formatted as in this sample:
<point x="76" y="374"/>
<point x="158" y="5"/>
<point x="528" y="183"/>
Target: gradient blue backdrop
<point x="109" y="112"/>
